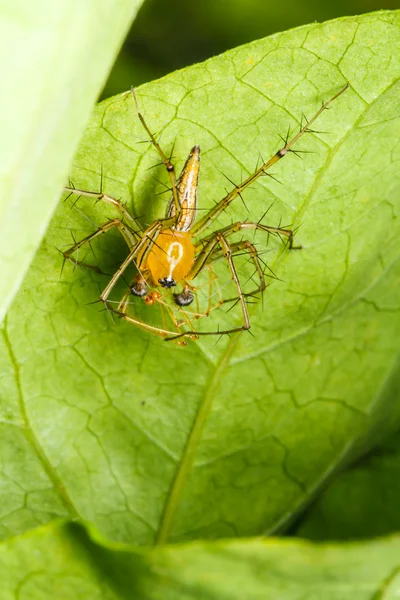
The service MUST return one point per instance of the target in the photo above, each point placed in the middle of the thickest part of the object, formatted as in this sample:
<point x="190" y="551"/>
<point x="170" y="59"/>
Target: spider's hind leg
<point x="218" y="239"/>
<point x="243" y="247"/>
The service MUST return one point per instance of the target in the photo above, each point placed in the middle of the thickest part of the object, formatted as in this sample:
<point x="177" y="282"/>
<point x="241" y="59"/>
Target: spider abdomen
<point x="171" y="257"/>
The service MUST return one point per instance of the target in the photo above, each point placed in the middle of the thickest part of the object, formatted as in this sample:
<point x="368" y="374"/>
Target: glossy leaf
<point x="152" y="442"/>
<point x="62" y="562"/>
<point x="55" y="57"/>
<point x="362" y="502"/>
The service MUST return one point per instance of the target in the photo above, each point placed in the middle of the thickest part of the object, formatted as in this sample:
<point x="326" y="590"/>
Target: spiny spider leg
<point x="198" y="313"/>
<point x="151" y="328"/>
<point x="248" y="247"/>
<point x="239" y="225"/>
<point x="227" y="250"/>
<point x="203" y="223"/>
<point x="125" y="231"/>
<point x="212" y="279"/>
<point x="167" y="163"/>
<point x="131" y="222"/>
<point x="139" y="254"/>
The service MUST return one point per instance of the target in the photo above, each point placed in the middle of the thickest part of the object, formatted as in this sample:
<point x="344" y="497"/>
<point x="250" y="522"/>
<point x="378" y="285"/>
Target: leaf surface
<point x="362" y="502"/>
<point x="153" y="442"/>
<point x="62" y="561"/>
<point x="55" y="57"/>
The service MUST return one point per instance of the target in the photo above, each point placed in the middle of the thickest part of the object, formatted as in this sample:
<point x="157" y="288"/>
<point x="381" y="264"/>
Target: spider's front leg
<point x="99" y="196"/>
<point x="240" y="225"/>
<point x="125" y="231"/>
<point x="246" y="246"/>
<point x="136" y="256"/>
<point x="223" y="204"/>
<point x="166" y="161"/>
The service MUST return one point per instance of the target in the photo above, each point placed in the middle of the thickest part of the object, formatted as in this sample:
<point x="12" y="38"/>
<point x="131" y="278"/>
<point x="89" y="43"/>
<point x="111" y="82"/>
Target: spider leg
<point x="218" y="239"/>
<point x="167" y="163"/>
<point x="223" y="204"/>
<point x="191" y="315"/>
<point x="138" y="255"/>
<point x="247" y="246"/>
<point x="163" y="333"/>
<point x="227" y="250"/>
<point x="123" y="229"/>
<point x="122" y="309"/>
<point x="240" y="225"/>
<point x="212" y="279"/>
<point x="120" y="206"/>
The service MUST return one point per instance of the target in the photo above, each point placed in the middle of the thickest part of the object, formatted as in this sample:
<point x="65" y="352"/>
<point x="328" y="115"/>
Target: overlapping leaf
<point x="61" y="561"/>
<point x="54" y="59"/>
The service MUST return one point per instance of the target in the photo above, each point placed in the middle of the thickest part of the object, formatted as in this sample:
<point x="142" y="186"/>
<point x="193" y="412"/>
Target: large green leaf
<point x="62" y="562"/>
<point x="54" y="58"/>
<point x="361" y="502"/>
<point x="150" y="441"/>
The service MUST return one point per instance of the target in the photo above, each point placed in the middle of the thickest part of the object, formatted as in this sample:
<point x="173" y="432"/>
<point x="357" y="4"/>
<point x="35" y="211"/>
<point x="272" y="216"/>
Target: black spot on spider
<point x="185" y="298"/>
<point x="167" y="282"/>
<point x="139" y="288"/>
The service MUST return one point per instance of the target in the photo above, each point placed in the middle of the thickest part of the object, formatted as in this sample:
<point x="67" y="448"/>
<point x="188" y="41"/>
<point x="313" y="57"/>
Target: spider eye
<point x="185" y="298"/>
<point x="167" y="282"/>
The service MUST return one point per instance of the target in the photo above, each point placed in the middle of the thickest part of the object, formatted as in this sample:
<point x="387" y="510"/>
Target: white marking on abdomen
<point x="174" y="261"/>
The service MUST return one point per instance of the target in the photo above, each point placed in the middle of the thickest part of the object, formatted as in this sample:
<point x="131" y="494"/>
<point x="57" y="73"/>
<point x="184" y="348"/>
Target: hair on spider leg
<point x="266" y="212"/>
<point x="86" y="216"/>
<point x="75" y="202"/>
<point x="235" y="302"/>
<point x="157" y="180"/>
<point x="162" y="192"/>
<point x="94" y="302"/>
<point x="110" y="313"/>
<point x="307" y="129"/>
<point x="285" y="140"/>
<point x="68" y="196"/>
<point x="260" y="160"/>
<point x="160" y="164"/>
<point x="303" y="117"/>
<point x="235" y="185"/>
<point x="91" y="248"/>
<point x="171" y="154"/>
<point x="143" y="142"/>
<point x="296" y="152"/>
<point x="72" y="186"/>
<point x="64" y="259"/>
<point x="271" y="176"/>
<point x="268" y="268"/>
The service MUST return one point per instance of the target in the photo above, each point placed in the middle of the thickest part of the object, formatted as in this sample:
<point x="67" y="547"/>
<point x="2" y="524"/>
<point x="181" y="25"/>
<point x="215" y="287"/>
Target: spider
<point x="168" y="253"/>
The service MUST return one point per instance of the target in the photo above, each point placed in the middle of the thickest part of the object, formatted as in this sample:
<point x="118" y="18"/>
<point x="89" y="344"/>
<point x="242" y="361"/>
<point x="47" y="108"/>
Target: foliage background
<point x="170" y="35"/>
<point x="80" y="402"/>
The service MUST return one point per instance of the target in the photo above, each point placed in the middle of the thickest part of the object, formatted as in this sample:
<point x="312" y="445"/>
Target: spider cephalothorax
<point x="171" y="251"/>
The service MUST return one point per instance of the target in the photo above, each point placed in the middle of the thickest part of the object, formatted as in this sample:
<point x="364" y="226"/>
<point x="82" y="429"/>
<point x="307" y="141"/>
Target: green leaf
<point x="362" y="502"/>
<point x="63" y="562"/>
<point x="150" y="441"/>
<point x="55" y="57"/>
